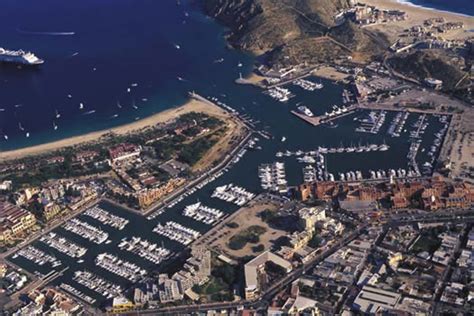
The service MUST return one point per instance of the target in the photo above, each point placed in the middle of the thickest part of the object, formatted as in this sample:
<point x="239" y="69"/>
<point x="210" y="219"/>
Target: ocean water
<point x="465" y="7"/>
<point x="94" y="51"/>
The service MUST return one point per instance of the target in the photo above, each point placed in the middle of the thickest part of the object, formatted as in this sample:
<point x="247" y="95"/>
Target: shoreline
<point x="411" y="4"/>
<point x="417" y="14"/>
<point x="190" y="106"/>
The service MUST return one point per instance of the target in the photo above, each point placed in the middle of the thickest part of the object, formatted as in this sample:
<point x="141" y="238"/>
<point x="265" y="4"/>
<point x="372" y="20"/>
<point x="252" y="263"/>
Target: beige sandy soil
<point x="416" y="16"/>
<point x="330" y="73"/>
<point x="191" y="106"/>
<point x="245" y="217"/>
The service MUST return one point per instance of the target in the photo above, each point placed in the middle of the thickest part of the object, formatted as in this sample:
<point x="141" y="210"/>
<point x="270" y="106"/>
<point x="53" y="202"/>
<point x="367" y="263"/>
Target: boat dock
<point x="322" y="119"/>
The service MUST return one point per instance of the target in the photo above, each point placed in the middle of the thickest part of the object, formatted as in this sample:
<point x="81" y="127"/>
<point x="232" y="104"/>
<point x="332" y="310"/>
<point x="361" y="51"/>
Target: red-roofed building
<point x="124" y="151"/>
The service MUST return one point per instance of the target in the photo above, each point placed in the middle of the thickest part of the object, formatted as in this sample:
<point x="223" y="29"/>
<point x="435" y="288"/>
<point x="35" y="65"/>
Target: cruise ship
<point x="19" y="57"/>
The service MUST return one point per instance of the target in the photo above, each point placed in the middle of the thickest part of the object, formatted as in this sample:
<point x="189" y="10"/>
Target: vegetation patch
<point x="249" y="235"/>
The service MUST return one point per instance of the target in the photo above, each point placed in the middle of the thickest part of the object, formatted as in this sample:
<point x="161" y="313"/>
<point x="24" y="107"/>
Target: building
<point x="123" y="152"/>
<point x="310" y="216"/>
<point x="14" y="221"/>
<point x="372" y="300"/>
<point x="255" y="272"/>
<point x="51" y="210"/>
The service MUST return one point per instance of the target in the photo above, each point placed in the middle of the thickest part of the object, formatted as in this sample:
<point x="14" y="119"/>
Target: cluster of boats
<point x="309" y="174"/>
<point x="412" y="153"/>
<point x="97" y="284"/>
<point x="372" y="123"/>
<point x="63" y="245"/>
<point x="280" y="94"/>
<point x="87" y="231"/>
<point x="273" y="177"/>
<point x="145" y="249"/>
<point x="336" y="111"/>
<point x="233" y="194"/>
<point x="420" y="127"/>
<point x="72" y="290"/>
<point x="305" y="110"/>
<point x="351" y="176"/>
<point x="399" y="173"/>
<point x="177" y="232"/>
<point x="202" y="213"/>
<point x="106" y="218"/>
<point x="125" y="269"/>
<point x="335" y="150"/>
<point x="308" y="85"/>
<point x="37" y="256"/>
<point x="398" y="123"/>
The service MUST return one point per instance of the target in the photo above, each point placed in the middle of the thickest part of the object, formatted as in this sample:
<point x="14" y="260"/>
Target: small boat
<point x="283" y="139"/>
<point x="89" y="112"/>
<point x="58" y="115"/>
<point x="5" y="136"/>
<point x="128" y="90"/>
<point x="144" y="99"/>
<point x="177" y="46"/>
<point x="69" y="96"/>
<point x="18" y="105"/>
<point x="80" y="261"/>
<point x="218" y="61"/>
<point x="240" y="64"/>
<point x="55" y="127"/>
<point x="21" y="127"/>
<point x="2" y="110"/>
<point x="27" y="134"/>
<point x="115" y="116"/>
<point x="119" y="105"/>
<point x="134" y="84"/>
<point x="81" y="106"/>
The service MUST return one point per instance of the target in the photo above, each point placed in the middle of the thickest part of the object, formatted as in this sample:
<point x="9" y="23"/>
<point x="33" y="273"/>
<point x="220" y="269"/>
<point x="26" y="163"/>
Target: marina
<point x="63" y="245"/>
<point x="97" y="284"/>
<point x="106" y="218"/>
<point x="273" y="177"/>
<point x="122" y="268"/>
<point x="233" y="194"/>
<point x="202" y="213"/>
<point x="38" y="256"/>
<point x="75" y="292"/>
<point x="372" y="123"/>
<point x="87" y="231"/>
<point x="307" y="84"/>
<point x="177" y="232"/>
<point x="145" y="249"/>
<point x="280" y="94"/>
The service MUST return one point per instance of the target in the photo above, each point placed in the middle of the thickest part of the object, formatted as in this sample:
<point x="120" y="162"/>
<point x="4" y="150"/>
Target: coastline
<point x="191" y="106"/>
<point x="417" y="14"/>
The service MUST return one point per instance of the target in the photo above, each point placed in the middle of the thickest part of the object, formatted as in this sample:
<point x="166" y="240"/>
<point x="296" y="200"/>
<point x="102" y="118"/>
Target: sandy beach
<point x="190" y="106"/>
<point x="416" y="16"/>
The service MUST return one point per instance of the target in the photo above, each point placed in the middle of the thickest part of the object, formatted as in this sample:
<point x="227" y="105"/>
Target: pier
<point x="322" y="119"/>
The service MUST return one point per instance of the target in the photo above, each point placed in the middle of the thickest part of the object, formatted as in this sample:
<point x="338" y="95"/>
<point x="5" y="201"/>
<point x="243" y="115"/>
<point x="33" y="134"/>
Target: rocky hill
<point x="431" y="64"/>
<point x="290" y="30"/>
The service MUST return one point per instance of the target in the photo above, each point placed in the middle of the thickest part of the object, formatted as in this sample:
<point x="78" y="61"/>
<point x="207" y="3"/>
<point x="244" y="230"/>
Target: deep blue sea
<point x="107" y="47"/>
<point x="465" y="7"/>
